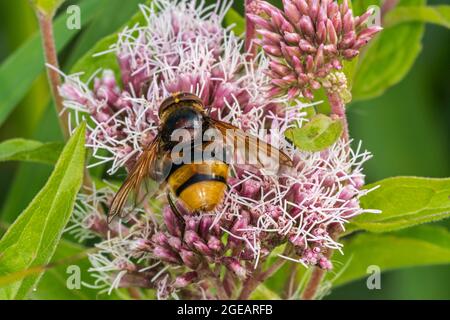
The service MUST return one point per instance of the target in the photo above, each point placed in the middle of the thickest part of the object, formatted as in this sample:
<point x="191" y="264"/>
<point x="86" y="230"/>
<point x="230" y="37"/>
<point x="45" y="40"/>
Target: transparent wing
<point x="250" y="149"/>
<point x="143" y="180"/>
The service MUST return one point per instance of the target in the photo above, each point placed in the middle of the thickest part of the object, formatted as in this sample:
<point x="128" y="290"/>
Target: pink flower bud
<point x="293" y="93"/>
<point x="172" y="223"/>
<point x="322" y="15"/>
<point x="307" y="94"/>
<point x="204" y="226"/>
<point x="309" y="63"/>
<point x="347" y="193"/>
<point x="215" y="244"/>
<point x="192" y="224"/>
<point x="277" y="19"/>
<point x="307" y="26"/>
<point x="160" y="239"/>
<point x="190" y="237"/>
<point x="292" y="38"/>
<point x="272" y="50"/>
<point x="234" y="266"/>
<point x="298" y="65"/>
<point x="363" y="18"/>
<point x="166" y="255"/>
<point x="350" y="53"/>
<point x="370" y="32"/>
<point x="337" y="23"/>
<point x="293" y="51"/>
<point x="319" y="59"/>
<point x="321" y="32"/>
<point x="185" y="279"/>
<point x="260" y="22"/>
<point x="326" y="264"/>
<point x="306" y="46"/>
<point x="348" y="40"/>
<point x="238" y="229"/>
<point x="279" y="68"/>
<point x="174" y="243"/>
<point x="291" y="12"/>
<point x="190" y="259"/>
<point x="347" y="23"/>
<point x="315" y="84"/>
<point x="202" y="248"/>
<point x="270" y="38"/>
<point x="273" y="92"/>
<point x="332" y="8"/>
<point x="336" y="64"/>
<point x="353" y="206"/>
<point x="344" y="7"/>
<point x="287" y="27"/>
<point x="313" y="9"/>
<point x="331" y="32"/>
<point x="142" y="245"/>
<point x="357" y="182"/>
<point x="302" y="6"/>
<point x="330" y="49"/>
<point x="250" y="187"/>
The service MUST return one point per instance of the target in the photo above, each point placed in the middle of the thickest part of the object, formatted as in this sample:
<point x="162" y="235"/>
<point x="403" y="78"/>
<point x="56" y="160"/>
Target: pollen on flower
<point x="183" y="47"/>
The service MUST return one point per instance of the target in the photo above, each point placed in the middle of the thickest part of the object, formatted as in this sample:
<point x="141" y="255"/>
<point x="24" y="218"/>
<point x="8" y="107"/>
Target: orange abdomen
<point x="201" y="186"/>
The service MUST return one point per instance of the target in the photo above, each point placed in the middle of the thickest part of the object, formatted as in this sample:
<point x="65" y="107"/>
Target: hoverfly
<point x="199" y="185"/>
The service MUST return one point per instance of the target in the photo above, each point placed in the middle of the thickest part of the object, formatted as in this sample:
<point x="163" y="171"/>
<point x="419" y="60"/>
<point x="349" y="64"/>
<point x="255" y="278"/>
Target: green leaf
<point x="53" y="285"/>
<point x="318" y="134"/>
<point x="439" y="15"/>
<point x="419" y="246"/>
<point x="388" y="58"/>
<point x="264" y="293"/>
<point x="23" y="189"/>
<point x="20" y="69"/>
<point x="404" y="202"/>
<point x="59" y="277"/>
<point x="32" y="239"/>
<point x="30" y="150"/>
<point x="89" y="63"/>
<point x="102" y="25"/>
<point x="234" y="18"/>
<point x="48" y="7"/>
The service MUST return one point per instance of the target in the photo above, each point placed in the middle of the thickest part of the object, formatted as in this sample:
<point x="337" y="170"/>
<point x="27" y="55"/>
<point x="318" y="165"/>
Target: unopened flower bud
<point x="185" y="279"/>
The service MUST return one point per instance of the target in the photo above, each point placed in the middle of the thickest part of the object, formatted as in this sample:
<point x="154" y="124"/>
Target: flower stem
<point x="338" y="109"/>
<point x="253" y="282"/>
<point x="317" y="275"/>
<point x="291" y="283"/>
<point x="51" y="58"/>
<point x="250" y="31"/>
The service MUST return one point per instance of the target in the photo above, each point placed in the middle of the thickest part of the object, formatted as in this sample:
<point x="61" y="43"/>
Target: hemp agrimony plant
<point x="222" y="254"/>
<point x="290" y="69"/>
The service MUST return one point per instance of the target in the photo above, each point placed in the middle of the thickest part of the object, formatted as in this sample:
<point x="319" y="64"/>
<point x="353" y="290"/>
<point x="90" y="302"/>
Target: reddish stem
<point x="51" y="58"/>
<point x="250" y="32"/>
<point x="317" y="275"/>
<point x="338" y="109"/>
<point x="253" y="282"/>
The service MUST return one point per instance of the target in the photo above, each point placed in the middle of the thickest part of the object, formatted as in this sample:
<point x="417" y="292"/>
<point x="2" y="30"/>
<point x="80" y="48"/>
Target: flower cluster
<point x="308" y="40"/>
<point x="183" y="47"/>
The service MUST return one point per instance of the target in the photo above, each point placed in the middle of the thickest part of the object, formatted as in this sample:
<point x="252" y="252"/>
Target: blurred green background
<point x="407" y="129"/>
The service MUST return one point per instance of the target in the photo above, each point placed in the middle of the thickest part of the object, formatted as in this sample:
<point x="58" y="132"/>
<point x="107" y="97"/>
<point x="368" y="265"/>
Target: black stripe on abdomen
<point x="199" y="177"/>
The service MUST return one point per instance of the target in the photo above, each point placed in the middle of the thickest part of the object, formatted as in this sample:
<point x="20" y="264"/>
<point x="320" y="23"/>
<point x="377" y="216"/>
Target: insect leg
<point x="176" y="212"/>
